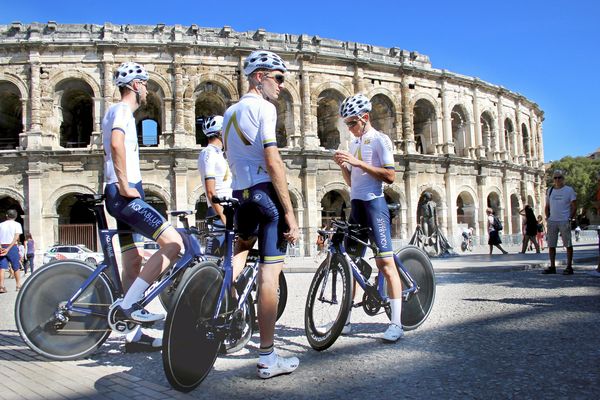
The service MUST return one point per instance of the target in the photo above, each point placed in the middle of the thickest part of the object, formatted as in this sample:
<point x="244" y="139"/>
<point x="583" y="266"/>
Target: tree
<point x="581" y="173"/>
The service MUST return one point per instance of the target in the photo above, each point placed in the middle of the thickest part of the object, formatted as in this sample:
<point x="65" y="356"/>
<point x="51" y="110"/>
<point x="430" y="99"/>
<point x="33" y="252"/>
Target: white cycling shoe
<point x="282" y="366"/>
<point x="347" y="329"/>
<point x="393" y="333"/>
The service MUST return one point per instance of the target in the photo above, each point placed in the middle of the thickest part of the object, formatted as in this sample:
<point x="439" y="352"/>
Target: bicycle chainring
<point x="370" y="305"/>
<point x="117" y="325"/>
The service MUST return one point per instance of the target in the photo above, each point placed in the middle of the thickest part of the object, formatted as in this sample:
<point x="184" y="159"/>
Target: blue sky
<point x="546" y="50"/>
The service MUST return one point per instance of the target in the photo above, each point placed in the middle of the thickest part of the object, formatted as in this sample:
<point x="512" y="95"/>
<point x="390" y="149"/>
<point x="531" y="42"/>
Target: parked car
<point x="77" y="252"/>
<point x="149" y="249"/>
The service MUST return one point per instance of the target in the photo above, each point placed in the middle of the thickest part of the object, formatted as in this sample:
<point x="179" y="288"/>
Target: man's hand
<point x="129" y="192"/>
<point x="3" y="252"/>
<point x="293" y="234"/>
<point x="342" y="156"/>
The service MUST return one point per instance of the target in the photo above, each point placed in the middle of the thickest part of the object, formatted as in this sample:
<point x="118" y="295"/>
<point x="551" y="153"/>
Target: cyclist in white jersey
<point x="213" y="167"/>
<point x="125" y="201"/>
<point x="367" y="165"/>
<point x="259" y="182"/>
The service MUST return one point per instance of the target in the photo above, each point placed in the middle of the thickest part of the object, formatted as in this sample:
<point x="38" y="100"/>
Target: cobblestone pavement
<point x="515" y="334"/>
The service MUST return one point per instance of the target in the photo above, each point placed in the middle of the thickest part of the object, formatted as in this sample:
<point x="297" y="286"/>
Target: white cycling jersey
<point x="248" y="128"/>
<point x="374" y="148"/>
<point x="119" y="117"/>
<point x="212" y="165"/>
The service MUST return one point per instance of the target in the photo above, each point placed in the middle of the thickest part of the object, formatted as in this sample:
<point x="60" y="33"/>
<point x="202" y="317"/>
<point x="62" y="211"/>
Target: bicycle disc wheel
<point x="232" y="346"/>
<point x="418" y="306"/>
<point x="41" y="296"/>
<point x="328" y="303"/>
<point x="167" y="295"/>
<point x="189" y="350"/>
<point x="282" y="295"/>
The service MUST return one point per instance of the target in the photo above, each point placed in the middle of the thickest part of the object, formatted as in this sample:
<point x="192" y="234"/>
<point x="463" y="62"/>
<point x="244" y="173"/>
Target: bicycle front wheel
<point x="45" y="292"/>
<point x="328" y="303"/>
<point x="189" y="346"/>
<point x="418" y="306"/>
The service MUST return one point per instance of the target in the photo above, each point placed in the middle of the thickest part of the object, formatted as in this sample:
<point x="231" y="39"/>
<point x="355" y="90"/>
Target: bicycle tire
<point x="188" y="353"/>
<point x="40" y="297"/>
<point x="419" y="305"/>
<point x="282" y="294"/>
<point x="168" y="295"/>
<point x="249" y="317"/>
<point x="322" y="335"/>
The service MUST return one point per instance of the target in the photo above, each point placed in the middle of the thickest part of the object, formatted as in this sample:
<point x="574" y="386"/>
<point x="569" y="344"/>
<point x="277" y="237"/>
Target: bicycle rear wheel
<point x="42" y="295"/>
<point x="418" y="306"/>
<point x="328" y="303"/>
<point x="189" y="349"/>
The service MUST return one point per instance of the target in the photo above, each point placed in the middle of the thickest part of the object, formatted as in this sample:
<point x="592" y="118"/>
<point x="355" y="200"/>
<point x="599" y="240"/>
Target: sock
<point x="267" y="356"/>
<point x="134" y="335"/>
<point x="396" y="306"/>
<point x="135" y="293"/>
<point x="349" y="314"/>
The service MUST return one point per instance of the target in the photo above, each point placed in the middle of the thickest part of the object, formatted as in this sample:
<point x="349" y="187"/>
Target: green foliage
<point x="581" y="173"/>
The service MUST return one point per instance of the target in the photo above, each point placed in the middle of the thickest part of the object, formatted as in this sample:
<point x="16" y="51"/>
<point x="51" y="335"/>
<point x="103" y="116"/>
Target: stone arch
<point x="210" y="98"/>
<point x="298" y="198"/>
<point x="425" y="125"/>
<point x="338" y="186"/>
<point x="11" y="115"/>
<point x="74" y="105"/>
<point x="153" y="110"/>
<point x="11" y="193"/>
<point x="49" y="89"/>
<point x="328" y="129"/>
<point x="383" y="114"/>
<point x="393" y="194"/>
<point x="515" y="217"/>
<point x="49" y="206"/>
<point x="333" y="205"/>
<point x="285" y="117"/>
<point x="509" y="134"/>
<point x="159" y="191"/>
<point x="466" y="207"/>
<point x="23" y="91"/>
<point x="162" y="83"/>
<point x="155" y="196"/>
<point x="525" y="138"/>
<point x="461" y="130"/>
<point x="336" y="86"/>
<point x="494" y="200"/>
<point x="488" y="131"/>
<point x="191" y="90"/>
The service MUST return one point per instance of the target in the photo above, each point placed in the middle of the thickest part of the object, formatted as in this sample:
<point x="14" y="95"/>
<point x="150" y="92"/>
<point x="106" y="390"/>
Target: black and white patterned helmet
<point x="212" y="126"/>
<point x="262" y="59"/>
<point x="355" y="105"/>
<point x="127" y="72"/>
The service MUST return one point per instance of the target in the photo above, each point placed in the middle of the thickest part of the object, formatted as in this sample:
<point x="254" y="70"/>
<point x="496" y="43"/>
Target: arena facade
<point x="470" y="143"/>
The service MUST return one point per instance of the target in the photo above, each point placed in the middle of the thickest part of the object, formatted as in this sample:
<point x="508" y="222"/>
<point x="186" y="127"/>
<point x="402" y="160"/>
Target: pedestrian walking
<point x="494" y="226"/>
<point x="561" y="204"/>
<point x="540" y="232"/>
<point x="531" y="229"/>
<point x="29" y="253"/>
<point x="10" y="230"/>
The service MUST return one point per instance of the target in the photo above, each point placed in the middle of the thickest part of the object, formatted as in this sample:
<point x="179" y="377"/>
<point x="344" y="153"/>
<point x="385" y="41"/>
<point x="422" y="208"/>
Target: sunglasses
<point x="351" y="124"/>
<point x="558" y="177"/>
<point x="279" y="78"/>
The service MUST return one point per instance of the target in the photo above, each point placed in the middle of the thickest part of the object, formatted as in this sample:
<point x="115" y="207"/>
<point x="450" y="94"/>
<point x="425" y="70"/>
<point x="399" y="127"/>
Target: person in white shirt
<point x="365" y="168"/>
<point x="561" y="205"/>
<point x="259" y="182"/>
<point x="10" y="230"/>
<point x="216" y="177"/>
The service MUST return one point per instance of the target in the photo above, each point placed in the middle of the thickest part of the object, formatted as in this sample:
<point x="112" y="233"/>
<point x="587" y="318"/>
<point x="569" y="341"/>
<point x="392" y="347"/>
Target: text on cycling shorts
<point x="376" y="215"/>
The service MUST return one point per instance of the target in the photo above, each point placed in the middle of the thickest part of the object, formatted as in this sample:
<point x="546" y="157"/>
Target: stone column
<point x="34" y="198"/>
<point x="412" y="197"/>
<point x="179" y="133"/>
<point x="480" y="148"/>
<point x="312" y="219"/>
<point x="359" y="86"/>
<point x="448" y="144"/>
<point x="501" y="139"/>
<point x="179" y="188"/>
<point x="34" y="134"/>
<point x="407" y="123"/>
<point x="310" y="138"/>
<point x="508" y="228"/>
<point x="481" y="215"/>
<point x="449" y="179"/>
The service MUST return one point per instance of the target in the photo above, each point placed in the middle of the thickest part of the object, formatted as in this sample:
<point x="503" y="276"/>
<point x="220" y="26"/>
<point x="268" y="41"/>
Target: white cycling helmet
<point x="212" y="126"/>
<point x="262" y="59"/>
<point x="355" y="105"/>
<point x="127" y="72"/>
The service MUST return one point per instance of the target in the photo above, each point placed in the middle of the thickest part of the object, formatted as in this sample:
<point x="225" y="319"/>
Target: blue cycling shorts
<point x="215" y="246"/>
<point x="260" y="214"/>
<point x="376" y="215"/>
<point x="135" y="215"/>
<point x="13" y="257"/>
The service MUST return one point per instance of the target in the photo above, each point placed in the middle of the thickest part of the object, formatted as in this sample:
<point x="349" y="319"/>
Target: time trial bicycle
<point x="65" y="310"/>
<point x="330" y="293"/>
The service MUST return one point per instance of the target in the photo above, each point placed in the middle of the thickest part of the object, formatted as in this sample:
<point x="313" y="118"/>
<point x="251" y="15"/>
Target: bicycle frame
<point x="339" y="248"/>
<point x="192" y="251"/>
